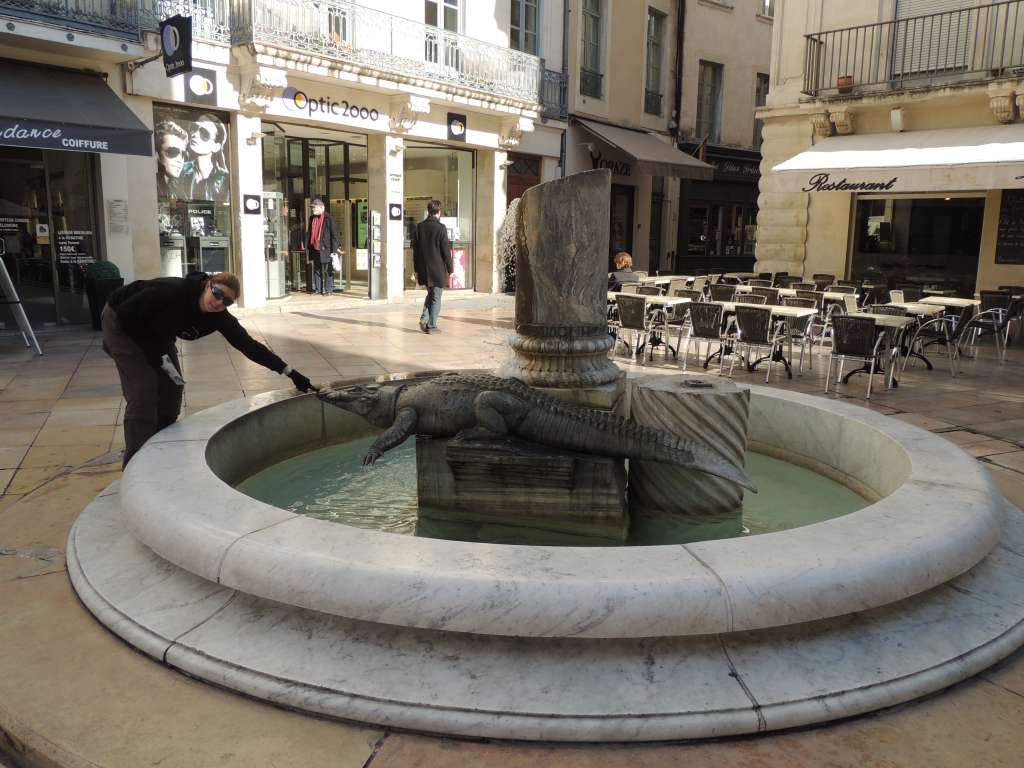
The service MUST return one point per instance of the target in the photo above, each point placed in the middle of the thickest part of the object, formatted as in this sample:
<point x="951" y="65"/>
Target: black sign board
<point x="395" y="212"/>
<point x="252" y="204"/>
<point x="176" y="44"/>
<point x="76" y="138"/>
<point x="456" y="127"/>
<point x="201" y="86"/>
<point x="1010" y="235"/>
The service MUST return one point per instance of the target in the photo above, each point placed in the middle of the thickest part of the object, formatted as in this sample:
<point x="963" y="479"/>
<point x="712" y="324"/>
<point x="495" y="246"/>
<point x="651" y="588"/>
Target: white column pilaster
<point x="385" y="160"/>
<point x="247" y="169"/>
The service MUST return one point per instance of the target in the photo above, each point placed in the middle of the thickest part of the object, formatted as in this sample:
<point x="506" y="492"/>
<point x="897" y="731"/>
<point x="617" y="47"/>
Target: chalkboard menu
<point x="1010" y="237"/>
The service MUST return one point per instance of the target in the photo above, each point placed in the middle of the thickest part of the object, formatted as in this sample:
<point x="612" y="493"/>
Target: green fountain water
<point x="330" y="483"/>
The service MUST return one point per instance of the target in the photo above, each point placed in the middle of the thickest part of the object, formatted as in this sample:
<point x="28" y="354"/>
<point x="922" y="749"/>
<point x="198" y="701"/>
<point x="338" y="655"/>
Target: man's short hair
<point x="433" y="207"/>
<point x="318" y="201"/>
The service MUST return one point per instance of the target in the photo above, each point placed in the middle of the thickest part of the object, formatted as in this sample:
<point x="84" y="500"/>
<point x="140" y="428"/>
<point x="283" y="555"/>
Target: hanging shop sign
<point x="617" y="167"/>
<point x="201" y="86"/>
<point x="176" y="44"/>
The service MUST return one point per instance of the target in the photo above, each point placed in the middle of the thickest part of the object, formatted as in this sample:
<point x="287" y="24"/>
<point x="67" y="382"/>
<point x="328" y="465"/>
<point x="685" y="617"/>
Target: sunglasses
<point x="204" y="133"/>
<point x="220" y="296"/>
<point x="172" y="152"/>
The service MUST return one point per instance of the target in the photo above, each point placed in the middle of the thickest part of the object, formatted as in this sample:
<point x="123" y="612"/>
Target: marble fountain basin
<point x="910" y="594"/>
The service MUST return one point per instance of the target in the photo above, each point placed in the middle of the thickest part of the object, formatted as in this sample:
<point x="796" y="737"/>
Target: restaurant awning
<point x="653" y="157"/>
<point x="944" y="160"/>
<point x="54" y="108"/>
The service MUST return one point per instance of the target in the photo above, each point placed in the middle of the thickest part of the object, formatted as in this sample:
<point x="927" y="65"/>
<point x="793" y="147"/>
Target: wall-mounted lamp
<point x="254" y="138"/>
<point x="396" y="150"/>
<point x="587" y="145"/>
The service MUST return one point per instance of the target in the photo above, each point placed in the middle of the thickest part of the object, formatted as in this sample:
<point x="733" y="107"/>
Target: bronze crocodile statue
<point x="474" y="406"/>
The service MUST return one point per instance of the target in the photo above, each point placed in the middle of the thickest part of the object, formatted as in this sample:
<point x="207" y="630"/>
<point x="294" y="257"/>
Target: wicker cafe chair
<point x="847" y="284"/>
<point x="836" y="288"/>
<point x="633" y="317"/>
<point x="771" y="295"/>
<point x="946" y="329"/>
<point x="751" y="298"/>
<point x="631" y="288"/>
<point x="723" y="292"/>
<point x="765" y="276"/>
<point x="649" y="290"/>
<point x="689" y="294"/>
<point x="993" y="317"/>
<point x="705" y="325"/>
<point x="676" y="284"/>
<point x="804" y="286"/>
<point x="885" y="309"/>
<point x="912" y="292"/>
<point x="854" y="337"/>
<point x="640" y="274"/>
<point x="787" y="281"/>
<point x="759" y="283"/>
<point x="754" y="329"/>
<point x="699" y="284"/>
<point x="823" y="281"/>
<point x="799" y="329"/>
<point x="897" y="296"/>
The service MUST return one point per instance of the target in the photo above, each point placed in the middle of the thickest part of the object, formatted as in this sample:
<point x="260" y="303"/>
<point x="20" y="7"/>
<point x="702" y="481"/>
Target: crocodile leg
<point x="497" y="414"/>
<point x="403" y="427"/>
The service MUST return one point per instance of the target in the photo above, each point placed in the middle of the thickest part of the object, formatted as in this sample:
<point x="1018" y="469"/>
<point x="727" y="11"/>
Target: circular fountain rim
<point x="924" y="532"/>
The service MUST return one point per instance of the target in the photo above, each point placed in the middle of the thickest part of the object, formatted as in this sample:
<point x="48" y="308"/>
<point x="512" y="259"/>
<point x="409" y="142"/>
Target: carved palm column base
<point x="661" y="495"/>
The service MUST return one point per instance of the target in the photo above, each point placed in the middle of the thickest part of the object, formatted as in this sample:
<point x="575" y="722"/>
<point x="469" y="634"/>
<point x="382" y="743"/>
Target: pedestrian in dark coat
<point x="141" y="323"/>
<point x="432" y="260"/>
<point x="321" y="242"/>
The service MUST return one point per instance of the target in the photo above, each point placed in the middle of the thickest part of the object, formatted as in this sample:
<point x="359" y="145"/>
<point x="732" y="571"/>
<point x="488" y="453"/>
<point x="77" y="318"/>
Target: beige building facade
<point x="637" y="67"/>
<point x="892" y="143"/>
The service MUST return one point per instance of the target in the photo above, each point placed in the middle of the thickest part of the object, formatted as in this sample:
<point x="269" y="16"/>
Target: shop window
<point x="934" y="242"/>
<point x="591" y="59"/>
<point x="655" y="45"/>
<point x="523" y="27"/>
<point x="447" y="175"/>
<point x="193" y="190"/>
<point x="709" y="102"/>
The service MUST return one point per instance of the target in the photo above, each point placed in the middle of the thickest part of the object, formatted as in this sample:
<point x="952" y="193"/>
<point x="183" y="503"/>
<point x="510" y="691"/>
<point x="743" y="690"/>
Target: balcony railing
<point x="652" y="103"/>
<point x="211" y="19"/>
<point x="114" y="18"/>
<point x="966" y="45"/>
<point x="590" y="83"/>
<point x="378" y="41"/>
<point x="554" y="95"/>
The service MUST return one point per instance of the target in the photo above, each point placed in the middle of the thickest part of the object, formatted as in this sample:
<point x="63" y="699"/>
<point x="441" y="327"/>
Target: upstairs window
<point x="767" y="8"/>
<point x="709" y="102"/>
<point x="523" y="30"/>
<point x="655" y="46"/>
<point x="590" y="67"/>
<point x="443" y="14"/>
<point x="760" y="99"/>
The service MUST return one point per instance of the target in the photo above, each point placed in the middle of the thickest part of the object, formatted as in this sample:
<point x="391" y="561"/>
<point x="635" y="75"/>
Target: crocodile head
<point x="371" y="401"/>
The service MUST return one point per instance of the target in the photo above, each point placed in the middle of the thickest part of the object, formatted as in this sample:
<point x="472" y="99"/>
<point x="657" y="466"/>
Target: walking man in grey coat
<point x="432" y="260"/>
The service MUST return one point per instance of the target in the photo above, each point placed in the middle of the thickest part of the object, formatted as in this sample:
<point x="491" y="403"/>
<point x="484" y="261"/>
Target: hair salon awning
<point x="53" y="108"/>
<point x="945" y="160"/>
<point x="653" y="157"/>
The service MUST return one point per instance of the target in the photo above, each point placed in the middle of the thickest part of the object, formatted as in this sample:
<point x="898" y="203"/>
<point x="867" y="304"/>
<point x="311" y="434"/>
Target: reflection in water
<point x="331" y="484"/>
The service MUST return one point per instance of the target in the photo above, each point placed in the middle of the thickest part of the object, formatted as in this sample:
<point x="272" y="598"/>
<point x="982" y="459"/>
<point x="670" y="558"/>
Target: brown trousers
<point x="154" y="401"/>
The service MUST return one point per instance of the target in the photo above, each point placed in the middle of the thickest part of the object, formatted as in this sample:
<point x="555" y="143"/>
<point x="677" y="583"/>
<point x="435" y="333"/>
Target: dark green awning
<point x="53" y="108"/>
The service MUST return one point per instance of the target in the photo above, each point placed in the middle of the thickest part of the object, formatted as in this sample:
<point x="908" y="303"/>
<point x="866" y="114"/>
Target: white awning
<point x="945" y="160"/>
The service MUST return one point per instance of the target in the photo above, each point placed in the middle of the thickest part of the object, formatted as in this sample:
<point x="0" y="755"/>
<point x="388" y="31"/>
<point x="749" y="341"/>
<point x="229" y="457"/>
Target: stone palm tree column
<point x="559" y="236"/>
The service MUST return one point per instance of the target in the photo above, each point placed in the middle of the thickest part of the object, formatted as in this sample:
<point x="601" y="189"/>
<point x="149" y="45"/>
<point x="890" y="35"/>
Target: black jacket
<point x="328" y="240"/>
<point x="432" y="253"/>
<point x="156" y="312"/>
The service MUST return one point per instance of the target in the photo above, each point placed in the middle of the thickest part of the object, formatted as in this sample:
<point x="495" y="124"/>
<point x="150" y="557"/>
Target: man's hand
<point x="301" y="382"/>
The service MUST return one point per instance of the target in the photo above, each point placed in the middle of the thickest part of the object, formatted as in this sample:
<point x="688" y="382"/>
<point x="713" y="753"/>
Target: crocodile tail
<point x="693" y="455"/>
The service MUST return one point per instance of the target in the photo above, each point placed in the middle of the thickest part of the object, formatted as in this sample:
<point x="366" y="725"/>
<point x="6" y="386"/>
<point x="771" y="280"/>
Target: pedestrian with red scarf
<point x="321" y="244"/>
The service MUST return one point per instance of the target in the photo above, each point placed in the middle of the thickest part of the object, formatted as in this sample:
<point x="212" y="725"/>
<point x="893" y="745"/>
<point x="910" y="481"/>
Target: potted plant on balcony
<point x="102" y="278"/>
<point x="844" y="83"/>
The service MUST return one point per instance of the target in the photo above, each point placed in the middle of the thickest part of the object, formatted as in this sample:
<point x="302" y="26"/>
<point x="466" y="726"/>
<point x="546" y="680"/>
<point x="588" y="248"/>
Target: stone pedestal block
<point x="561" y="254"/>
<point x="716" y="415"/>
<point x="512" y="483"/>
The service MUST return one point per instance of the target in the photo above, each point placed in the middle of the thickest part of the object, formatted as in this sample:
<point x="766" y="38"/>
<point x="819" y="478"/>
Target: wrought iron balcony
<point x="211" y="19"/>
<point x="652" y="103"/>
<point x="113" y="18"/>
<point x="590" y="83"/>
<point x="967" y="45"/>
<point x="554" y="95"/>
<point x="379" y="42"/>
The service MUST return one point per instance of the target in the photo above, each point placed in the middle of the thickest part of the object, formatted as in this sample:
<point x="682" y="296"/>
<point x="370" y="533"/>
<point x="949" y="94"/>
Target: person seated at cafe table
<point x="623" y="272"/>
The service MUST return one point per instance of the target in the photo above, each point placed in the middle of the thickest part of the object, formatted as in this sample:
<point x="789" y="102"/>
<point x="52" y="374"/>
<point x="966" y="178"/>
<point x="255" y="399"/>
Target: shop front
<point x="54" y="123"/>
<point x="938" y="209"/>
<point x="717" y="218"/>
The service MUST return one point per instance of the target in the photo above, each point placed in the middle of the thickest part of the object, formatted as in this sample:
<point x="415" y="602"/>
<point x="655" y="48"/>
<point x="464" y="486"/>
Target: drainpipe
<point x="565" y="74"/>
<point x="682" y="213"/>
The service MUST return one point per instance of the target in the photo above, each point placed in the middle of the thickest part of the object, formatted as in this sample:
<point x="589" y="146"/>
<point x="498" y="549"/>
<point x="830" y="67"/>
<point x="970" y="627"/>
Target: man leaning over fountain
<point x="141" y="322"/>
